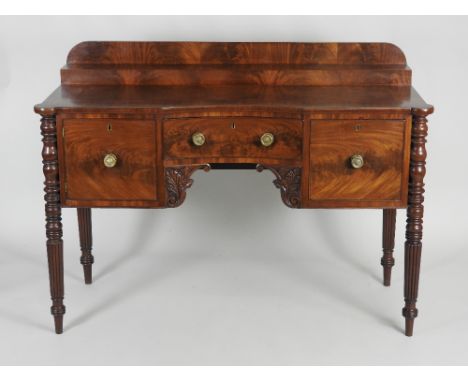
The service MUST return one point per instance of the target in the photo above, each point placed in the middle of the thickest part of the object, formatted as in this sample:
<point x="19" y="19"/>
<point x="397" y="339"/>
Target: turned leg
<point x="53" y="219"/>
<point x="388" y="243"/>
<point x="86" y="242"/>
<point x="414" y="221"/>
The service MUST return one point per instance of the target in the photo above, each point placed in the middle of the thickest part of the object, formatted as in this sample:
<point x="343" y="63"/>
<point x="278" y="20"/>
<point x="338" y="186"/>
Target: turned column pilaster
<point x="415" y="212"/>
<point x="53" y="218"/>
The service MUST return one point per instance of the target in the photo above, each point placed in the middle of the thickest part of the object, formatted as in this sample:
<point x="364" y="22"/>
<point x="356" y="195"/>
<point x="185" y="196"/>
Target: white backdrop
<point x="232" y="276"/>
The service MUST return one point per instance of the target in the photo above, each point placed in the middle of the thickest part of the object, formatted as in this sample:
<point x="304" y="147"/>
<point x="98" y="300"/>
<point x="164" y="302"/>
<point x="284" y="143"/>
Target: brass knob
<point x="267" y="139"/>
<point x="357" y="161"/>
<point x="198" y="139"/>
<point x="110" y="160"/>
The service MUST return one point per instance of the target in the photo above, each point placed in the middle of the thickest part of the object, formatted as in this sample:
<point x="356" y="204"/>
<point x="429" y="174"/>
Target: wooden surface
<point x="384" y="145"/>
<point x="233" y="98"/>
<point x="191" y="63"/>
<point x="228" y="138"/>
<point x="86" y="242"/>
<point x="323" y="103"/>
<point x="414" y="221"/>
<point x="209" y="75"/>
<point x="388" y="244"/>
<point x="87" y="141"/>
<point x="223" y="53"/>
<point x="53" y="213"/>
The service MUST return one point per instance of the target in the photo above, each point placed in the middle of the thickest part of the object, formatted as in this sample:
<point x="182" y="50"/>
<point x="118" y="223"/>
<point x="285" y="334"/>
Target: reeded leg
<point x="53" y="219"/>
<point x="388" y="243"/>
<point x="415" y="212"/>
<point x="86" y="242"/>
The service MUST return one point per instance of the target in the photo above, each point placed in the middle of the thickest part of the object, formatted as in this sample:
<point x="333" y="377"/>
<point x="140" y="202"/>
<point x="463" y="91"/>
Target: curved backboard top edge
<point x="232" y="53"/>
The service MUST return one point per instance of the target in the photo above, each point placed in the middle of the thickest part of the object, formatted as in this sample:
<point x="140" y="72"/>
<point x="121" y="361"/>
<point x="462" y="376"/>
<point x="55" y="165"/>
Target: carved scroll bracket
<point x="288" y="180"/>
<point x="178" y="180"/>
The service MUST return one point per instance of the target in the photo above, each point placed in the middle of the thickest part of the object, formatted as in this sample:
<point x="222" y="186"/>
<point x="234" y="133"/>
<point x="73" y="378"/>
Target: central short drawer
<point x="219" y="139"/>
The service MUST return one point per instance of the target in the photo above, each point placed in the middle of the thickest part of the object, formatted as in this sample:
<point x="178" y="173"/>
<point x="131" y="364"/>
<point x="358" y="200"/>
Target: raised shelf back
<point x="211" y="63"/>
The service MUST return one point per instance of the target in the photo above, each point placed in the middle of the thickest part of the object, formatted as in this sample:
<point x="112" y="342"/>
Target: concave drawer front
<point x="360" y="161"/>
<point x="222" y="138"/>
<point x="110" y="159"/>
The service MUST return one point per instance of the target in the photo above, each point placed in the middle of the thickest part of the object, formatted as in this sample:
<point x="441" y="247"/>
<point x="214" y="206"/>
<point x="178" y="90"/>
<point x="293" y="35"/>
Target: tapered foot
<point x="58" y="325"/>
<point x="388" y="244"/>
<point x="409" y="324"/>
<point x="88" y="273"/>
<point x="410" y="313"/>
<point x="58" y="312"/>
<point x="387" y="275"/>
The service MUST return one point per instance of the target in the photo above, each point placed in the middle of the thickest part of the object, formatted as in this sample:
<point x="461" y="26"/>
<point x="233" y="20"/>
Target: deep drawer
<point x="109" y="159"/>
<point x="226" y="138"/>
<point x="355" y="160"/>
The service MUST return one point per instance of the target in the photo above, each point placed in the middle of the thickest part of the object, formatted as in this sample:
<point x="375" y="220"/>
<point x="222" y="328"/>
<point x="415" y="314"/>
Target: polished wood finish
<point x="228" y="138"/>
<point x="239" y="63"/>
<point x="388" y="244"/>
<point x="86" y="242"/>
<point x="53" y="219"/>
<point x="288" y="181"/>
<point x="224" y="53"/>
<point x="132" y="121"/>
<point x="384" y="146"/>
<point x="178" y="180"/>
<point x="289" y="101"/>
<point x="88" y="141"/>
<point x="209" y="75"/>
<point x="415" y="212"/>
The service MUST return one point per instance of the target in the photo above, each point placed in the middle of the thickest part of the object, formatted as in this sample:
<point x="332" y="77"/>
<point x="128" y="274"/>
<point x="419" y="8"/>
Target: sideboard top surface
<point x="152" y="76"/>
<point x="295" y="99"/>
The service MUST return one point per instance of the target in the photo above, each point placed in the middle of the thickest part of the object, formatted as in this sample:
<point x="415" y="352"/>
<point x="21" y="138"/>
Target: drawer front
<point x="226" y="138"/>
<point x="130" y="169"/>
<point x="339" y="148"/>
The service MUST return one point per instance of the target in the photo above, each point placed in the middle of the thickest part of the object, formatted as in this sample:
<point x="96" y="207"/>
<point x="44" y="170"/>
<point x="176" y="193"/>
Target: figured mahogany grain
<point x="311" y="96"/>
<point x="383" y="146"/>
<point x="205" y="63"/>
<point x="222" y="53"/>
<point x="232" y="138"/>
<point x="209" y="75"/>
<point x="87" y="141"/>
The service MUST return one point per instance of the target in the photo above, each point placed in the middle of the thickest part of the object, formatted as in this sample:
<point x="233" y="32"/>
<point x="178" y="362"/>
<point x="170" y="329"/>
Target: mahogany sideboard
<point x="338" y="124"/>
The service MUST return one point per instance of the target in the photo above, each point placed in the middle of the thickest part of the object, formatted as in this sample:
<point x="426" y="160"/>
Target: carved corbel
<point x="178" y="180"/>
<point x="288" y="180"/>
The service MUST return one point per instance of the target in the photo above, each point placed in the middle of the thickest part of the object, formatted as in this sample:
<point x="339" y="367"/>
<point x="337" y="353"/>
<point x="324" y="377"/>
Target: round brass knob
<point x="267" y="139"/>
<point x="110" y="160"/>
<point x="357" y="161"/>
<point x="198" y="139"/>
